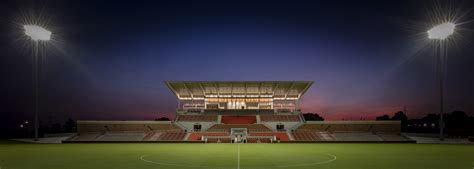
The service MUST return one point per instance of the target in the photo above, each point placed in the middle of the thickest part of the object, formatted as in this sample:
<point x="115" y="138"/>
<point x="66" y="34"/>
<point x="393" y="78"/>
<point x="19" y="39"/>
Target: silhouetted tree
<point x="55" y="128"/>
<point x="457" y="120"/>
<point x="162" y="119"/>
<point x="312" y="117"/>
<point x="430" y="118"/>
<point x="70" y="125"/>
<point x="457" y="123"/>
<point x="384" y="117"/>
<point x="402" y="118"/>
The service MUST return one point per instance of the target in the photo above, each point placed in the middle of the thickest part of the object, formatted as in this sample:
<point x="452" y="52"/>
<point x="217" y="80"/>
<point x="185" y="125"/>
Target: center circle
<point x="232" y="160"/>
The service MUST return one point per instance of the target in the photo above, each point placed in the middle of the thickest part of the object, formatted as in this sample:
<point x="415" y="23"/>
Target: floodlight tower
<point x="37" y="34"/>
<point x="440" y="33"/>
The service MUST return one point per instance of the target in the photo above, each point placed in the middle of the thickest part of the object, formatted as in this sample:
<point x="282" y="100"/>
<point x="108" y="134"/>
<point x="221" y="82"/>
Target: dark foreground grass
<point x="235" y="156"/>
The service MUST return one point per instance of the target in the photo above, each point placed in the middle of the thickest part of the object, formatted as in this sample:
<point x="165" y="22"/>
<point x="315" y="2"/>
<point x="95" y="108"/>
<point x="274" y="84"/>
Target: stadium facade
<point x="238" y="112"/>
<point x="199" y="96"/>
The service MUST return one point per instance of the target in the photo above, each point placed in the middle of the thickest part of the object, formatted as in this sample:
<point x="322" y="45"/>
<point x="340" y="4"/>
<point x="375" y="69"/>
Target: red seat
<point x="279" y="135"/>
<point x="172" y="136"/>
<point x="256" y="140"/>
<point x="239" y="119"/>
<point x="197" y="118"/>
<point x="279" y="118"/>
<point x="198" y="135"/>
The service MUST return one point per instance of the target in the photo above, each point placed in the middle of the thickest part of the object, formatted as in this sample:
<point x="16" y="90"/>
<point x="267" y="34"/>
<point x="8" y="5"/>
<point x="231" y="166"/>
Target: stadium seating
<point x="218" y="140"/>
<point x="392" y="137"/>
<point x="172" y="136"/>
<point x="309" y="135"/>
<point x="393" y="128"/>
<point x="267" y="112"/>
<point x="240" y="112"/>
<point x="86" y="137"/>
<point x="357" y="136"/>
<point x="198" y="135"/>
<point x="279" y="135"/>
<point x="121" y="136"/>
<point x="279" y="118"/>
<point x="165" y="127"/>
<point x="313" y="127"/>
<point x="152" y="136"/>
<point x="313" y="136"/>
<point x="239" y="119"/>
<point x="197" y="118"/>
<point x="88" y="128"/>
<point x="340" y="131"/>
<point x="258" y="140"/>
<point x="250" y="127"/>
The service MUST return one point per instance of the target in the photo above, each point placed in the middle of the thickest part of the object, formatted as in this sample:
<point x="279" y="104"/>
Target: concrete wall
<point x="272" y="124"/>
<point x="190" y="125"/>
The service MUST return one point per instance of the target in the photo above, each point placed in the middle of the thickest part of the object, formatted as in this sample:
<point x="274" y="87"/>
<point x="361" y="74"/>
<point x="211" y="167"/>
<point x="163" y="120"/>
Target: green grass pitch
<point x="235" y="156"/>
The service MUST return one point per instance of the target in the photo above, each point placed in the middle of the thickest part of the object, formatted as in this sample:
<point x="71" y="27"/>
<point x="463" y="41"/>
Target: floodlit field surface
<point x="235" y="156"/>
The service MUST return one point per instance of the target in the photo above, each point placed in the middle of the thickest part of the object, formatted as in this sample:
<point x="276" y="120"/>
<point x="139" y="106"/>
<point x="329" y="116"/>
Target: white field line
<point x="168" y="164"/>
<point x="238" y="156"/>
<point x="309" y="164"/>
<point x="142" y="158"/>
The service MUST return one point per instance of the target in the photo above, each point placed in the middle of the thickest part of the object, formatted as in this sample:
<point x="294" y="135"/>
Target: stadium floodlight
<point x="36" y="32"/>
<point x="441" y="31"/>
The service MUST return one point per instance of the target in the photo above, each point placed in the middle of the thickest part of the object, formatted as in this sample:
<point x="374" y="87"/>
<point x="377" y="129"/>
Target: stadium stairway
<point x="172" y="136"/>
<point x="187" y="136"/>
<point x="152" y="136"/>
<point x="290" y="136"/>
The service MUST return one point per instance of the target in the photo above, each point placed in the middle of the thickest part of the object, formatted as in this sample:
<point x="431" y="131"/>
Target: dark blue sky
<point x="113" y="56"/>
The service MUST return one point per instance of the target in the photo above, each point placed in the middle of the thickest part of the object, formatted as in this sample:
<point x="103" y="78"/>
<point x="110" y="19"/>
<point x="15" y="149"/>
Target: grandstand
<point x="313" y="136"/>
<point x="350" y="131"/>
<point x="197" y="118"/>
<point x="279" y="135"/>
<point x="239" y="119"/>
<point x="280" y="118"/>
<point x="121" y="136"/>
<point x="238" y="111"/>
<point x="202" y="135"/>
<point x="250" y="127"/>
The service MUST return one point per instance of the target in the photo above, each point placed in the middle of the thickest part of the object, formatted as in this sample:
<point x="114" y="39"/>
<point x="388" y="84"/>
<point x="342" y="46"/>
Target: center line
<point x="238" y="156"/>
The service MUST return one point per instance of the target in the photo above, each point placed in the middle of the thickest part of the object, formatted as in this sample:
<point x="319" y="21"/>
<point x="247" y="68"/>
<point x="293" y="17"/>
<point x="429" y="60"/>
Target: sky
<point x="109" y="59"/>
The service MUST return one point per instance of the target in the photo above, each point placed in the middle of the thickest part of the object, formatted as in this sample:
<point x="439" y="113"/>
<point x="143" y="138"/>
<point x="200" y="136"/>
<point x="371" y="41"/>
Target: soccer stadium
<point x="212" y="84"/>
<point x="237" y="124"/>
<point x="239" y="112"/>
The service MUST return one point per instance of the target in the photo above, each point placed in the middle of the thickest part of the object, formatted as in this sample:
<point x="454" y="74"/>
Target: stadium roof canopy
<point x="278" y="90"/>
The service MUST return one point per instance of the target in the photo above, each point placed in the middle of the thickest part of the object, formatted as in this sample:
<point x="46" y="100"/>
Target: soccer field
<point x="235" y="156"/>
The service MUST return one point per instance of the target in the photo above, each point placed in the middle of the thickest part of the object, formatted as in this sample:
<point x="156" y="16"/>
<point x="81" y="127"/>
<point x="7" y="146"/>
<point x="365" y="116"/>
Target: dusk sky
<point x="112" y="57"/>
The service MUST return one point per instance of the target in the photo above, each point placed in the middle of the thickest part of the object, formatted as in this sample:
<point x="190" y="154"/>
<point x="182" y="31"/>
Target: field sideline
<point x="235" y="156"/>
